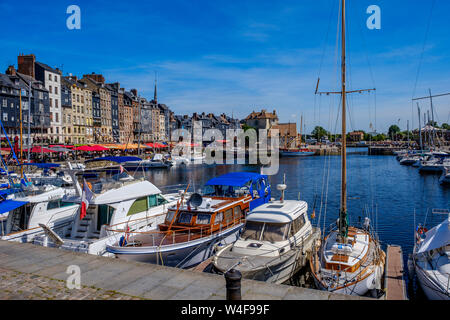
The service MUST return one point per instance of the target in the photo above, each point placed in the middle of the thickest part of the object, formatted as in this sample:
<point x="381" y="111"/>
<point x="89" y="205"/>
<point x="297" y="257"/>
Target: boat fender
<point x="122" y="241"/>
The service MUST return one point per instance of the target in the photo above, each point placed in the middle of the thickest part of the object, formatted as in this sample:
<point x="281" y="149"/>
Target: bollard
<point x="233" y="279"/>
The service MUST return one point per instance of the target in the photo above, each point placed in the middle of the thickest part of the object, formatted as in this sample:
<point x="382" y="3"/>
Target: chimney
<point x="11" y="71"/>
<point x="134" y="92"/>
<point x="96" y="77"/>
<point x="274" y="112"/>
<point x="25" y="64"/>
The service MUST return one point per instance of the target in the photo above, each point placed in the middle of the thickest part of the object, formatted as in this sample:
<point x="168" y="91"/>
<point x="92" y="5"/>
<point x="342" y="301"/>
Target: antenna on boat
<point x="282" y="187"/>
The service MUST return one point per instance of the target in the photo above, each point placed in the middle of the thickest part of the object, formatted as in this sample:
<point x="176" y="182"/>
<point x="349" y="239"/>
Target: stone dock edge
<point x="33" y="272"/>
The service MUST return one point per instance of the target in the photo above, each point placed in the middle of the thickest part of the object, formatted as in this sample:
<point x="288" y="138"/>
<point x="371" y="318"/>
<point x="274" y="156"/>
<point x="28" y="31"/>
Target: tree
<point x="445" y="126"/>
<point x="393" y="130"/>
<point x="319" y="132"/>
<point x="379" y="137"/>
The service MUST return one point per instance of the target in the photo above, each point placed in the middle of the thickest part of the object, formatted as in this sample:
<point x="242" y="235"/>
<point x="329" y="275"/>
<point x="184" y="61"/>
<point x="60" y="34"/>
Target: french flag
<point x="86" y="197"/>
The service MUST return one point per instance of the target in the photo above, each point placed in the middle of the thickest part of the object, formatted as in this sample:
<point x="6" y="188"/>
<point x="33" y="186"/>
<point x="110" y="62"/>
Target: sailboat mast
<point x="343" y="227"/>
<point x="301" y="129"/>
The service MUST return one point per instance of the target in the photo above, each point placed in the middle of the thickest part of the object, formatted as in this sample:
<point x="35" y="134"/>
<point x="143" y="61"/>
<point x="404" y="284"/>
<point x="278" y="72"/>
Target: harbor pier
<point x="394" y="274"/>
<point x="34" y="272"/>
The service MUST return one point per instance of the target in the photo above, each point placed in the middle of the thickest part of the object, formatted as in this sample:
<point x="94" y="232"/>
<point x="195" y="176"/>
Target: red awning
<point x="91" y="148"/>
<point x="39" y="149"/>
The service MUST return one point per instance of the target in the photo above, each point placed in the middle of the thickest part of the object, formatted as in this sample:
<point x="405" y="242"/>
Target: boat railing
<point x="175" y="188"/>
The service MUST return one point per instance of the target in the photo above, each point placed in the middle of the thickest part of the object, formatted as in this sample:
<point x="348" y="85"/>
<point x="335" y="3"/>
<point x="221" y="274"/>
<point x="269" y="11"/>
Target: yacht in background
<point x="119" y="205"/>
<point x="46" y="205"/>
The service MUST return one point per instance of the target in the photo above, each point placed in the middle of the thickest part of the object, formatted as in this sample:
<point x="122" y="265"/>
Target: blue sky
<point x="239" y="56"/>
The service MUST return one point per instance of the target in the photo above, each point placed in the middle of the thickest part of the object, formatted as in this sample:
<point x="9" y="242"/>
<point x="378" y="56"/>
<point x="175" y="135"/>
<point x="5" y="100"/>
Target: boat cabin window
<point x="219" y="218"/>
<point x="144" y="203"/>
<point x="139" y="205"/>
<point x="237" y="212"/>
<point x="274" y="232"/>
<point x="203" y="219"/>
<point x="169" y="216"/>
<point x="229" y="216"/>
<point x="252" y="230"/>
<point x="160" y="200"/>
<point x="185" y="218"/>
<point x="55" y="204"/>
<point x="226" y="191"/>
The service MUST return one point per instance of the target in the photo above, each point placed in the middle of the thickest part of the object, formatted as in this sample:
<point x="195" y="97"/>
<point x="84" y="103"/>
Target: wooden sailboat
<point x="348" y="260"/>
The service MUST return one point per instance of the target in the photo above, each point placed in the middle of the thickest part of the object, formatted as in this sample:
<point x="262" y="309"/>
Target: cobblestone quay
<point x="28" y="271"/>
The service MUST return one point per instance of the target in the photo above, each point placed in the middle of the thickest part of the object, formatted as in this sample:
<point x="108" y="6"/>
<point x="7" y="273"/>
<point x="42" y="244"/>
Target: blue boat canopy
<point x="115" y="159"/>
<point x="43" y="165"/>
<point x="235" y="179"/>
<point x="8" y="205"/>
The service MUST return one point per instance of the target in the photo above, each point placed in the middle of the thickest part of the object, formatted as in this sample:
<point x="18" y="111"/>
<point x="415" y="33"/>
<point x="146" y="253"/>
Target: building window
<point x="56" y="103"/>
<point x="50" y="89"/>
<point x="50" y="77"/>
<point x="5" y="103"/>
<point x="5" y="116"/>
<point x="56" y="90"/>
<point x="56" y="78"/>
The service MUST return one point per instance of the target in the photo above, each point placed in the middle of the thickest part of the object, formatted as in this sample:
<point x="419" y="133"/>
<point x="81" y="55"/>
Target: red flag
<point x="86" y="197"/>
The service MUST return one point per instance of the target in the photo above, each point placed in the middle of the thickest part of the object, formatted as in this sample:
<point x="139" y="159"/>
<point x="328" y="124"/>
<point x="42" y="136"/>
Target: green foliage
<point x="393" y="130"/>
<point x="445" y="126"/>
<point x="319" y="132"/>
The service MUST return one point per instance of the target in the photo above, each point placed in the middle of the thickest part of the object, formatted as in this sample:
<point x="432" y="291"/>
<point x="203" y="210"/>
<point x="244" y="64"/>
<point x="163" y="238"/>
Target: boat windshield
<point x="252" y="230"/>
<point x="274" y="232"/>
<point x="271" y="232"/>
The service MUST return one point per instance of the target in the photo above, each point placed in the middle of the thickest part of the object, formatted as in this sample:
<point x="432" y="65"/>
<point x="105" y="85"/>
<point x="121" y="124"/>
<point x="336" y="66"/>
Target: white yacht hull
<point x="431" y="290"/>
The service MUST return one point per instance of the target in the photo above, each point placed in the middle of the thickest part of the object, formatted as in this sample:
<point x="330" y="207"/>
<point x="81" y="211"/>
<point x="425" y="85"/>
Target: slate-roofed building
<point x="11" y="85"/>
<point x="51" y="78"/>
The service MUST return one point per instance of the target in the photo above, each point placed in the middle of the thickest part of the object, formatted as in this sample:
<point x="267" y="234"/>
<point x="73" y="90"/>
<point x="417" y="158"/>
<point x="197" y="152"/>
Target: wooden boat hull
<point x="361" y="280"/>
<point x="182" y="255"/>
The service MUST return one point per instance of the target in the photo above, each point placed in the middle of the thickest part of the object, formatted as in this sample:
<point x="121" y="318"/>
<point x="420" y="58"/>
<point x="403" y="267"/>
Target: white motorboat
<point x="274" y="245"/>
<point x="431" y="259"/>
<point x="45" y="205"/>
<point x="180" y="161"/>
<point x="435" y="164"/>
<point x="409" y="160"/>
